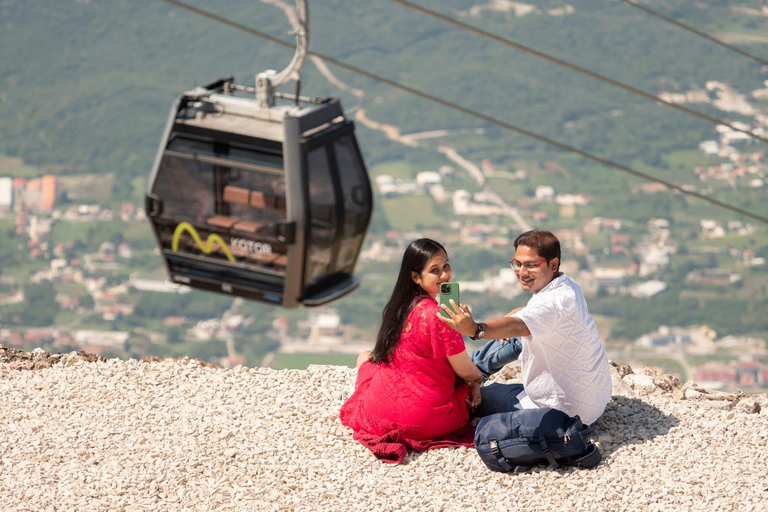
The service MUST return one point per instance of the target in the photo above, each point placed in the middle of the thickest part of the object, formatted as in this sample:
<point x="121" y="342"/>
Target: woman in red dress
<point x="415" y="389"/>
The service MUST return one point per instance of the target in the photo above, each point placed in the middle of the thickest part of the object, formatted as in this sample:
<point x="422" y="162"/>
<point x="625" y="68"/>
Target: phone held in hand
<point x="448" y="291"/>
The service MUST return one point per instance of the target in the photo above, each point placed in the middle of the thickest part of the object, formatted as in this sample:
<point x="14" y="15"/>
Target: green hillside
<point x="86" y="87"/>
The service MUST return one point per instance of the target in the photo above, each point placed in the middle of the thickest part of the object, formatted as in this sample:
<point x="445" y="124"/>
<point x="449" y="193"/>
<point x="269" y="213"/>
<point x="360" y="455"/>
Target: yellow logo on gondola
<point x="206" y="247"/>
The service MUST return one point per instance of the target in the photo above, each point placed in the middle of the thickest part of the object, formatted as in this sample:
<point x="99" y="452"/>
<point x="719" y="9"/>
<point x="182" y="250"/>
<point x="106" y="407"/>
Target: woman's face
<point x="436" y="271"/>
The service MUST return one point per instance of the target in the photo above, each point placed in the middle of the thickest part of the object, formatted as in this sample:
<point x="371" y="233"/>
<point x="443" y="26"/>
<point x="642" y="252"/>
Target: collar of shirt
<point x="553" y="283"/>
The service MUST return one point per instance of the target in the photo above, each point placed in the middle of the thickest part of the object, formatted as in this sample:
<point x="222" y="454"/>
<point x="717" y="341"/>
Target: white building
<point x="572" y="200"/>
<point x="545" y="193"/>
<point x="152" y="285"/>
<point x="108" y="339"/>
<point x="386" y="185"/>
<point x="326" y="329"/>
<point x="610" y="277"/>
<point x="710" y="147"/>
<point x="204" y="330"/>
<point x="665" y="336"/>
<point x="57" y="264"/>
<point x="439" y="193"/>
<point x="647" y="289"/>
<point x="653" y="259"/>
<point x="711" y="228"/>
<point x="6" y="193"/>
<point x="428" y="178"/>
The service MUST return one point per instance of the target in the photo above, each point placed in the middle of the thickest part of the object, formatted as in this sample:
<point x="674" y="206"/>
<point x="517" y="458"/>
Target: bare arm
<point x="505" y="327"/>
<point x="465" y="368"/>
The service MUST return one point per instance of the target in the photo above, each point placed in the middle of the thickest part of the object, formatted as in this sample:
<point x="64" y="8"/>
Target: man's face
<point x="536" y="278"/>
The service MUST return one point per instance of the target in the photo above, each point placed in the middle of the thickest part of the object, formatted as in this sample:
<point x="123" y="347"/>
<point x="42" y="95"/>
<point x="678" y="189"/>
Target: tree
<point x="40" y="304"/>
<point x="174" y="334"/>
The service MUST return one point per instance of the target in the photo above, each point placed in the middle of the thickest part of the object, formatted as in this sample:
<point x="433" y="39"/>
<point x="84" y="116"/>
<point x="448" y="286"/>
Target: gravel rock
<point x="692" y="394"/>
<point x="180" y="435"/>
<point x="38" y="358"/>
<point x="510" y="373"/>
<point x="640" y="383"/>
<point x="661" y="380"/>
<point x="621" y="369"/>
<point x="621" y="387"/>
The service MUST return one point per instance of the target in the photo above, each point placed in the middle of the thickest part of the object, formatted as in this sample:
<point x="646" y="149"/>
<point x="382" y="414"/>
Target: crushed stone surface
<point x="84" y="433"/>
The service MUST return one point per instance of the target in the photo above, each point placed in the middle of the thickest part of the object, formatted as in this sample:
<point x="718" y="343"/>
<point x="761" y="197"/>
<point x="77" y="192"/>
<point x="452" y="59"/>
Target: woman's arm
<point x="465" y="368"/>
<point x="363" y="357"/>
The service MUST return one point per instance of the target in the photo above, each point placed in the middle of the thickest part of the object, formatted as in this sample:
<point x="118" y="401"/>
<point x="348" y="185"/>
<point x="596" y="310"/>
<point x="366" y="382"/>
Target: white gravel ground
<point x="133" y="436"/>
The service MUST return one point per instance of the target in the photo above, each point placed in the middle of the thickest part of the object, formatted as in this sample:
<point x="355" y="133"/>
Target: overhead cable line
<point x="464" y="110"/>
<point x="697" y="32"/>
<point x="577" y="69"/>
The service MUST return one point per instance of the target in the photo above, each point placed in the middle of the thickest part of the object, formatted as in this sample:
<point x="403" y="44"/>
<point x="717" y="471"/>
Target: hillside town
<point x="98" y="274"/>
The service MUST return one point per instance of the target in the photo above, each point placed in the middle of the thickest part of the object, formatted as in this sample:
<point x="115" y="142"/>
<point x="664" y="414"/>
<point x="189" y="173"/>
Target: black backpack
<point x="515" y="441"/>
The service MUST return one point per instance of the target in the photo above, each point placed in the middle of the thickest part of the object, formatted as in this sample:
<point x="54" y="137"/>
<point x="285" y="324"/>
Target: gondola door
<point x="339" y="206"/>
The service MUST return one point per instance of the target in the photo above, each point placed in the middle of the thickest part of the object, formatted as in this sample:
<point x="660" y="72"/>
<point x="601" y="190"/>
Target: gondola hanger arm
<point x="268" y="80"/>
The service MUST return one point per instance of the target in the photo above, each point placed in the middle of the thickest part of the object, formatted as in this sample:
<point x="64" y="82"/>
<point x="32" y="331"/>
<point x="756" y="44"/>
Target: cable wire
<point x="576" y="68"/>
<point x="697" y="32"/>
<point x="473" y="113"/>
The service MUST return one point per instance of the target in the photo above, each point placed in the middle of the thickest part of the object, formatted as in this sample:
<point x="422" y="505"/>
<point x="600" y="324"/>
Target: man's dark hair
<point x="546" y="244"/>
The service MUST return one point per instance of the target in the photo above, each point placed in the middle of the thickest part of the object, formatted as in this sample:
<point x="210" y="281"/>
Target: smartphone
<point x="448" y="291"/>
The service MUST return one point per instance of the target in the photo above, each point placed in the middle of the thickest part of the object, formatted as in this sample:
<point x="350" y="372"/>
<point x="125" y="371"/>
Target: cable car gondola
<point x="258" y="200"/>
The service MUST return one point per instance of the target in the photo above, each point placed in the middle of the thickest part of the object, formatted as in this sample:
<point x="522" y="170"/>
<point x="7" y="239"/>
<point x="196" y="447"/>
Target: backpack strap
<point x="586" y="433"/>
<point x="496" y="451"/>
<point x="547" y="452"/>
<point x="590" y="459"/>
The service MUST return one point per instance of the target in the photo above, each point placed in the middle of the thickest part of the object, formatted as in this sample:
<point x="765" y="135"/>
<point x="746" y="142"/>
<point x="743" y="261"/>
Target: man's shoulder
<point x="561" y="286"/>
<point x="562" y="294"/>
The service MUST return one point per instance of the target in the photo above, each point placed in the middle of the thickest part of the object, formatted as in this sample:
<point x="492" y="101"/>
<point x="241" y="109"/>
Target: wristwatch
<point x="480" y="332"/>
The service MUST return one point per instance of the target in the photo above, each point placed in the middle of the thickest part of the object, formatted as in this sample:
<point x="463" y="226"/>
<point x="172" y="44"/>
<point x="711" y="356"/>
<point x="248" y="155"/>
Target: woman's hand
<point x="460" y="318"/>
<point x="474" y="399"/>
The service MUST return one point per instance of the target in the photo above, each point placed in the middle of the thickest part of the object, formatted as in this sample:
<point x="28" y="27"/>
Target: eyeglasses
<point x="529" y="265"/>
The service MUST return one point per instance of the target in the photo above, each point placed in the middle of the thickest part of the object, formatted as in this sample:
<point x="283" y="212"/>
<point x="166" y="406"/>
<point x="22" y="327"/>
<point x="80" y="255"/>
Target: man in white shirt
<point x="563" y="361"/>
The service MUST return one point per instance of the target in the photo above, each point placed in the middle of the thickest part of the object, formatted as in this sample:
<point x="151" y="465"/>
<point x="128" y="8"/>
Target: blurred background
<point x="673" y="281"/>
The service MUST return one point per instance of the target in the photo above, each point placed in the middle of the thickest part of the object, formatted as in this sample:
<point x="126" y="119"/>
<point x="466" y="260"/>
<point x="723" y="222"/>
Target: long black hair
<point x="405" y="294"/>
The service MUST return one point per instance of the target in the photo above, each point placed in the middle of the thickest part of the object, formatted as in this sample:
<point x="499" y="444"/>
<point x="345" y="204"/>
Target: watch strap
<point x="480" y="329"/>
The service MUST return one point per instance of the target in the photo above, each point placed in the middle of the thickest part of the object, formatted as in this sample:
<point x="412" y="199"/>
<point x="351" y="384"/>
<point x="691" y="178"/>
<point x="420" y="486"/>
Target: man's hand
<point x="460" y="318"/>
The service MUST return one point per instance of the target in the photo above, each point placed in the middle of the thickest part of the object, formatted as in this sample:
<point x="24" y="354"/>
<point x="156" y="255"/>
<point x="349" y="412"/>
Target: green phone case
<point x="446" y="294"/>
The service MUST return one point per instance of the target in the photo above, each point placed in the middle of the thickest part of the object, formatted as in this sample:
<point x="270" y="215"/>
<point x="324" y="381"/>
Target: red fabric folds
<point x="393" y="446"/>
<point x="414" y="402"/>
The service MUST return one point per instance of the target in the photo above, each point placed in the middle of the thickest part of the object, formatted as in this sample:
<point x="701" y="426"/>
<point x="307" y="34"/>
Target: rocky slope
<point x="83" y="433"/>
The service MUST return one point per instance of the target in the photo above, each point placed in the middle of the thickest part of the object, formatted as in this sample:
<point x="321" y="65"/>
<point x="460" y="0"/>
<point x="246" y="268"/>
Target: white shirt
<point x="563" y="361"/>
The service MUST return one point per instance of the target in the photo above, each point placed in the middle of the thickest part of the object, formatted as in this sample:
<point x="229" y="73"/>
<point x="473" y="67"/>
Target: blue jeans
<point x="493" y="356"/>
<point x="497" y="397"/>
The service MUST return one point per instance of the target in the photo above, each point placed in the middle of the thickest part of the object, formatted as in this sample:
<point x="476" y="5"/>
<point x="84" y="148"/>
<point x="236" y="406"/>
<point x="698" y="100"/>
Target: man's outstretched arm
<point x="460" y="319"/>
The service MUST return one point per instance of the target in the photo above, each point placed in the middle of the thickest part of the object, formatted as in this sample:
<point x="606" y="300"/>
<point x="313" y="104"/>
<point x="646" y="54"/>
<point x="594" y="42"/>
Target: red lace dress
<point x="414" y="402"/>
